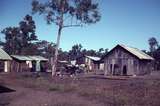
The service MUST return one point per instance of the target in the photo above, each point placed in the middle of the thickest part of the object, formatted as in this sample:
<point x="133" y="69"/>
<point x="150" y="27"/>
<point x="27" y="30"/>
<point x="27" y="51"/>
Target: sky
<point x="128" y="22"/>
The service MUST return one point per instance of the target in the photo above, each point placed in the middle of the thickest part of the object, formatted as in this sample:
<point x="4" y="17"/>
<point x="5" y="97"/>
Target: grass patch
<point x="105" y="98"/>
<point x="62" y="88"/>
<point x="55" y="88"/>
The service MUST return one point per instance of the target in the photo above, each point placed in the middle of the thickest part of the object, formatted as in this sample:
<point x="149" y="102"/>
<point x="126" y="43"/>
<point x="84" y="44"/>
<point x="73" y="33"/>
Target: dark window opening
<point x="111" y="68"/>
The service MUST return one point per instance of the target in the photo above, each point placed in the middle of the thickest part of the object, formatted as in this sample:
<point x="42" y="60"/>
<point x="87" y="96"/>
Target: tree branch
<point x="78" y="25"/>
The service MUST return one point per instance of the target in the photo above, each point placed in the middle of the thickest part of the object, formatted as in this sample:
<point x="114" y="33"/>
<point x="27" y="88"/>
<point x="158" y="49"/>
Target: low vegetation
<point x="140" y="91"/>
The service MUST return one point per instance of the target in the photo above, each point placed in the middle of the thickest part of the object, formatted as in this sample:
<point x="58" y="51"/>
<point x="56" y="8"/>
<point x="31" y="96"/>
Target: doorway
<point x="116" y="70"/>
<point x="124" y="70"/>
<point x="110" y="68"/>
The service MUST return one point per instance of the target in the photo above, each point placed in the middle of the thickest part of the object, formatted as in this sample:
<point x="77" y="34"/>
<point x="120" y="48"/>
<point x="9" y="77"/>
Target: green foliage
<point x="63" y="55"/>
<point x="153" y="43"/>
<point x="156" y="55"/>
<point x="60" y="12"/>
<point x="18" y="40"/>
<point x="75" y="52"/>
<point x="155" y="51"/>
<point x="45" y="48"/>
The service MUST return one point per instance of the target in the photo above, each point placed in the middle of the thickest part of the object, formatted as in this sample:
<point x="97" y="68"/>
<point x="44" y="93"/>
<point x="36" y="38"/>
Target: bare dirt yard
<point x="30" y="90"/>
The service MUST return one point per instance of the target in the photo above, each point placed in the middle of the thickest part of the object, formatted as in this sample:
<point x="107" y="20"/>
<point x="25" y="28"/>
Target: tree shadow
<point x="4" y="89"/>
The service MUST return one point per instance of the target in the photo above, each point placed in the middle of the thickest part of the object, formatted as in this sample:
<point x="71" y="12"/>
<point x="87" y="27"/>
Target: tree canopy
<point x="153" y="43"/>
<point x="18" y="39"/>
<point x="68" y="13"/>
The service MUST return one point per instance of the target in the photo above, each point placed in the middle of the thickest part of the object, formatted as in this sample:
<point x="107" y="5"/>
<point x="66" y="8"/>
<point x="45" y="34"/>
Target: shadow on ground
<point x="4" y="89"/>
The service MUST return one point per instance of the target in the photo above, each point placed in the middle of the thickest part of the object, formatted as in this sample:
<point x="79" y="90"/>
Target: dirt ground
<point x="90" y="90"/>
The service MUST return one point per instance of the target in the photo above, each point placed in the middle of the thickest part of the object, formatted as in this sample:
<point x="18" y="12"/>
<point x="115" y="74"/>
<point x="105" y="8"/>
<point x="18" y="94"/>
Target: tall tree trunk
<point x="56" y="52"/>
<point x="58" y="40"/>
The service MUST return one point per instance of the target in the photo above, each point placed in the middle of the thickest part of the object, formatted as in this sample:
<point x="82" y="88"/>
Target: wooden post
<point x="5" y="66"/>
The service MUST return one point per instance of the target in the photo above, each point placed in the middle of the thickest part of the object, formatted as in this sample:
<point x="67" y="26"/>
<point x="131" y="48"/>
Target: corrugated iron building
<point x="125" y="60"/>
<point x="28" y="63"/>
<point x="90" y="63"/>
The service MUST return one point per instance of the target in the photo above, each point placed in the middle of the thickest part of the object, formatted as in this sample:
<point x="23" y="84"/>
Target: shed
<point x="4" y="61"/>
<point x="28" y="63"/>
<point x="91" y="63"/>
<point x="125" y="60"/>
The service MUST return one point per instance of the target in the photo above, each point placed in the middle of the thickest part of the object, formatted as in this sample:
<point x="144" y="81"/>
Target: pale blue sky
<point x="129" y="22"/>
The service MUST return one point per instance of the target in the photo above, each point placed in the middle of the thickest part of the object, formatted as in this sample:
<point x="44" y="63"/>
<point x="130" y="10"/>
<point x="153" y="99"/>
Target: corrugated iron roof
<point x="137" y="52"/>
<point x="40" y="58"/>
<point x="4" y="55"/>
<point x="93" y="58"/>
<point x="29" y="58"/>
<point x="21" y="57"/>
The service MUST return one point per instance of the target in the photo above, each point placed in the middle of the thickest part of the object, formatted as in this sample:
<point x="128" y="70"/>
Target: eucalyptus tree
<point x="65" y="14"/>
